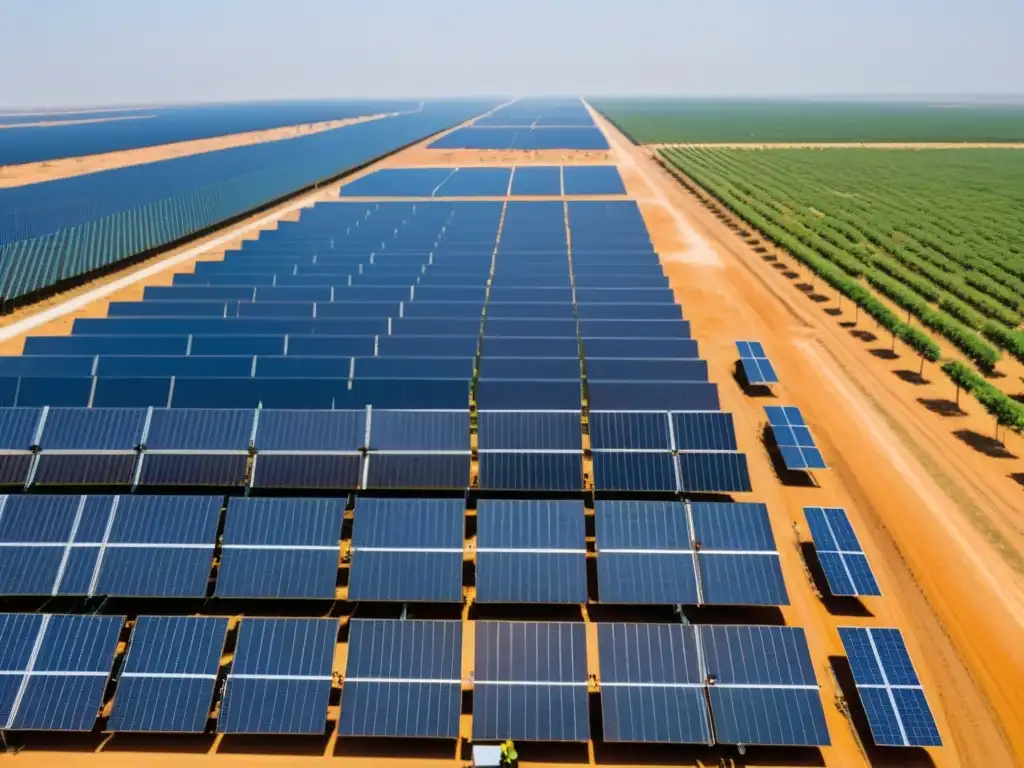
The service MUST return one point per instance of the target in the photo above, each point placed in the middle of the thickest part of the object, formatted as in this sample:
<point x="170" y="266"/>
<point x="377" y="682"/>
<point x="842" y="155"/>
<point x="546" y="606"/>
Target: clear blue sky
<point x="66" y="52"/>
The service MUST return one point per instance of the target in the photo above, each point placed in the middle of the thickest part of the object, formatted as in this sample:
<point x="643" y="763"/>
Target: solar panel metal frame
<point x="846" y="570"/>
<point x="882" y="668"/>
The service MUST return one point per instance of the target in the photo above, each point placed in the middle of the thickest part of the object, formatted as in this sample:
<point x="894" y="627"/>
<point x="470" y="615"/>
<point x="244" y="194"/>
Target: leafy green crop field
<point x="667" y="121"/>
<point x="939" y="233"/>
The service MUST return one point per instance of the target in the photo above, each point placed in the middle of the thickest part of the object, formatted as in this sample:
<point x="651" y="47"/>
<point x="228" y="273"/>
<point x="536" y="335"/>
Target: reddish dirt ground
<point x="915" y="493"/>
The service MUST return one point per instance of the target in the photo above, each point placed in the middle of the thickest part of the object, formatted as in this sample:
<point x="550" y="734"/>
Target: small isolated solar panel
<point x="280" y="681"/>
<point x="529" y="431"/>
<point x="280" y="548"/>
<point x="55" y="670"/>
<point x="703" y="431"/>
<point x="756" y="366"/>
<point x="530" y="552"/>
<point x="531" y="471"/>
<point x="644" y="553"/>
<point x="894" y="702"/>
<point x="793" y="437"/>
<point x="418" y="431"/>
<point x="630" y="430"/>
<point x="764" y="690"/>
<point x="530" y="681"/>
<point x="407" y="550"/>
<point x="839" y="552"/>
<point x="652" y="688"/>
<point x="402" y="679"/>
<point x="168" y="678"/>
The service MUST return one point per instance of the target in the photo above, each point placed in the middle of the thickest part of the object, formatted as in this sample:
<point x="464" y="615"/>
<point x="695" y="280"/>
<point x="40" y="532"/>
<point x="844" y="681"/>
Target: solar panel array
<point x="408" y="402"/>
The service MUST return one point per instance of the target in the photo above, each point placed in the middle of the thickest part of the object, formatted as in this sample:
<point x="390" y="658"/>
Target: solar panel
<point x="652" y="687"/>
<point x="417" y="471"/>
<point x="157" y="546"/>
<point x="530" y="681"/>
<point x="703" y="431"/>
<point x="630" y="430"/>
<point x="93" y="429"/>
<point x="893" y="698"/>
<point x="644" y="553"/>
<point x="713" y="472"/>
<point x="527" y="395"/>
<point x="307" y="471"/>
<point x="280" y="681"/>
<point x="793" y="438"/>
<point x="407" y="550"/>
<point x="529" y="431"/>
<point x="606" y="395"/>
<point x="419" y="430"/>
<point x="403" y="678"/>
<point x="530" y="552"/>
<point x="322" y="431"/>
<point x="56" y="668"/>
<point x="639" y="471"/>
<point x="531" y="471"/>
<point x="199" y="429"/>
<point x="280" y="548"/>
<point x="19" y="428"/>
<point x="168" y="679"/>
<point x="756" y="366"/>
<point x="763" y="689"/>
<point x="839" y="552"/>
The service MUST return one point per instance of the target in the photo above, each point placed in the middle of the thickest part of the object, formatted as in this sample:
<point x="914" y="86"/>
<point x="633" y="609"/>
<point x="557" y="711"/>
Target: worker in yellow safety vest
<point x="509" y="756"/>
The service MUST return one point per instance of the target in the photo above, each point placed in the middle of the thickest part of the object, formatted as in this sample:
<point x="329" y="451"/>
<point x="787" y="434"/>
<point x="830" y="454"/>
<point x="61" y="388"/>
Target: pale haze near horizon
<point x="106" y="52"/>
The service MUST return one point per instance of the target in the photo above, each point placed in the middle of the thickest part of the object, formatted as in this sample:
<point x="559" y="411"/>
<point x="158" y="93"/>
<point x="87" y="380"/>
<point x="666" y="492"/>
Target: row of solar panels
<point x="488" y="181"/>
<point x="427" y="293"/>
<point x="721" y="684"/>
<point x="526" y="138"/>
<point x="401" y="550"/>
<point x="266" y="430"/>
<point x="322" y="393"/>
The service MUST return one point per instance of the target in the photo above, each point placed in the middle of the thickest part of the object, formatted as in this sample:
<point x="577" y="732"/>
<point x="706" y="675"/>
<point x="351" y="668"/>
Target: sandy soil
<point x="916" y="494"/>
<point x="30" y="173"/>
<point x="82" y="121"/>
<point x="846" y="145"/>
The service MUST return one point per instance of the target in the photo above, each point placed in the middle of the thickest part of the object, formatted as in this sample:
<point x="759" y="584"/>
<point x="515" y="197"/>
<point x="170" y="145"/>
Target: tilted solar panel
<point x="531" y="471"/>
<point x="897" y="710"/>
<point x="756" y="366"/>
<point x="530" y="681"/>
<point x="529" y="430"/>
<point x="407" y="550"/>
<point x="403" y="678"/>
<point x="440" y="430"/>
<point x="630" y="430"/>
<point x="167" y="683"/>
<point x="280" y="660"/>
<point x="793" y="438"/>
<point x="58" y="667"/>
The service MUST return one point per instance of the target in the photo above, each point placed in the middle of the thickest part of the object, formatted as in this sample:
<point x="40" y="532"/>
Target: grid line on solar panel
<point x="840" y="555"/>
<point x="793" y="438"/>
<point x="59" y="666"/>
<point x="756" y="365"/>
<point x="892" y="695"/>
<point x="280" y="660"/>
<point x="167" y="683"/>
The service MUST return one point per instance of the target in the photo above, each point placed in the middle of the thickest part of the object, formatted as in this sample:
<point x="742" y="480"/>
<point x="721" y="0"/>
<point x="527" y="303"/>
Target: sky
<point x="100" y="52"/>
